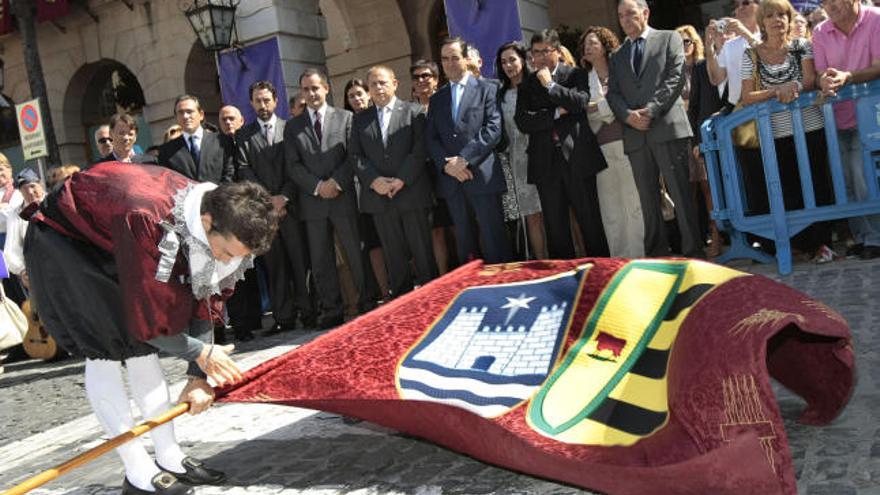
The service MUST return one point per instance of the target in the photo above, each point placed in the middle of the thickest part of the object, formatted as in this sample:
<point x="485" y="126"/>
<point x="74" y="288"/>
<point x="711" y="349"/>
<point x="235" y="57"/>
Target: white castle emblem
<point x="493" y="347"/>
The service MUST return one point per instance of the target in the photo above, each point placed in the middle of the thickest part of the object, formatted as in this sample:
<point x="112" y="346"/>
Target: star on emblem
<point x="514" y="304"/>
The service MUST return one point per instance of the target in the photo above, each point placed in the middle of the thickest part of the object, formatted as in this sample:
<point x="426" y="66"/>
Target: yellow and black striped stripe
<point x="615" y="396"/>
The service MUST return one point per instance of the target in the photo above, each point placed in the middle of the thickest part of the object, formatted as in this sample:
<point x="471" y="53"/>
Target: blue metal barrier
<point x="730" y="210"/>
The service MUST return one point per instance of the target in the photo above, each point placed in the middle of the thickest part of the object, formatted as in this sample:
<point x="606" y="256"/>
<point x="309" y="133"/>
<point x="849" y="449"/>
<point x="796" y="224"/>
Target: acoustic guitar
<point x="37" y="343"/>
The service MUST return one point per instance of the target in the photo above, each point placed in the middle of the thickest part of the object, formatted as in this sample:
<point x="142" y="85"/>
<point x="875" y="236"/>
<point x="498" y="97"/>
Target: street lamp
<point x="213" y="21"/>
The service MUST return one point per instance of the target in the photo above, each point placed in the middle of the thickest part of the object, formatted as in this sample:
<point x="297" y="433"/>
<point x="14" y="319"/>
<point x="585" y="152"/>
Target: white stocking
<point x="150" y="392"/>
<point x="106" y="393"/>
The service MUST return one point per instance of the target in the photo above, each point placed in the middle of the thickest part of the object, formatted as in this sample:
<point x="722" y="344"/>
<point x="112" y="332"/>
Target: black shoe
<point x="197" y="474"/>
<point x="870" y="252"/>
<point x="855" y="250"/>
<point x="308" y="320"/>
<point x="327" y="323"/>
<point x="281" y="327"/>
<point x="165" y="484"/>
<point x="243" y="335"/>
<point x="220" y="335"/>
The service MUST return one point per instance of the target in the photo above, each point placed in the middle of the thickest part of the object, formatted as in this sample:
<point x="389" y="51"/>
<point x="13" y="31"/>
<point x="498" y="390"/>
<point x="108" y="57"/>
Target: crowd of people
<point x="591" y="153"/>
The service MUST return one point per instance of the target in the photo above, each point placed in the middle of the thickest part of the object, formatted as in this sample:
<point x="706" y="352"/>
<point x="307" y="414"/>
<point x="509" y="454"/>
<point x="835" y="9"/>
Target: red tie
<point x="318" y="131"/>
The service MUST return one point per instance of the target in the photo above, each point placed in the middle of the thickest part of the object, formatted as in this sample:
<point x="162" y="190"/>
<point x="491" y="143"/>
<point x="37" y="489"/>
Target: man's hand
<point x="544" y="77"/>
<point x="216" y="363"/>
<point x="395" y="186"/>
<point x="381" y="185"/>
<point x="639" y="119"/>
<point x="328" y="189"/>
<point x="714" y="38"/>
<point x="456" y="166"/>
<point x="832" y="80"/>
<point x="198" y="393"/>
<point x="279" y="203"/>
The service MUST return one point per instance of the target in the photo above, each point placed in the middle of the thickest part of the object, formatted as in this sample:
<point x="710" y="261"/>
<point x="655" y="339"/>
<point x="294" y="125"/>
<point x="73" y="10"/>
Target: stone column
<point x="297" y="24"/>
<point x="533" y="16"/>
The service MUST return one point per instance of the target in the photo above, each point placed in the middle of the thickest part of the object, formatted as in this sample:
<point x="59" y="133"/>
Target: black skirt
<point x="75" y="291"/>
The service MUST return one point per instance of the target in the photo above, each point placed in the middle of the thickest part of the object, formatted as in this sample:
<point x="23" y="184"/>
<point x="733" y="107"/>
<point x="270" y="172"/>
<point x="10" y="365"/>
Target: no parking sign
<point x="30" y="128"/>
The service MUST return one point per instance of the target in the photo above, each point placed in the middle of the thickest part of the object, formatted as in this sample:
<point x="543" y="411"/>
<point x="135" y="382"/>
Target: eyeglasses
<point x="545" y="51"/>
<point x="687" y="41"/>
<point x="105" y="140"/>
<point x="746" y="3"/>
<point x="422" y="76"/>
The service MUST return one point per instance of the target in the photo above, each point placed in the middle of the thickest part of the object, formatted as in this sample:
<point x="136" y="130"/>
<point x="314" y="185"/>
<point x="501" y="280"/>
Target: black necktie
<point x="318" y="131"/>
<point x="637" y="55"/>
<point x="194" y="149"/>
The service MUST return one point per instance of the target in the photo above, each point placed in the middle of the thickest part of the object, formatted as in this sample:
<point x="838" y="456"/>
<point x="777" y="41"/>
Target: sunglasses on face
<point x="105" y="140"/>
<point x="746" y="3"/>
<point x="422" y="76"/>
<point x="687" y="41"/>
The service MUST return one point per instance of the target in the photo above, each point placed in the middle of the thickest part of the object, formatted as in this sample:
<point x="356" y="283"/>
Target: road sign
<point x="30" y="128"/>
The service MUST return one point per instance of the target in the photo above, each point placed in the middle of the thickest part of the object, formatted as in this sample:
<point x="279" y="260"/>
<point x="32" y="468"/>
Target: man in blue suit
<point x="464" y="126"/>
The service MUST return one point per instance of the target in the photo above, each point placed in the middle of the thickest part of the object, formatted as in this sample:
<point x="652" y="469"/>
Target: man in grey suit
<point x="387" y="146"/>
<point x="644" y="91"/>
<point x="197" y="153"/>
<point x="317" y="161"/>
<point x="260" y="158"/>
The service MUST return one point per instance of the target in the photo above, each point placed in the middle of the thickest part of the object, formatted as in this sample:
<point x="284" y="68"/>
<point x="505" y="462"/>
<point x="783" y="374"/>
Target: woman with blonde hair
<point x="784" y="68"/>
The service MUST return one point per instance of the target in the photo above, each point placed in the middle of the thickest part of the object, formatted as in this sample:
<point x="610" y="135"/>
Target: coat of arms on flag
<point x="493" y="346"/>
<point x="645" y="376"/>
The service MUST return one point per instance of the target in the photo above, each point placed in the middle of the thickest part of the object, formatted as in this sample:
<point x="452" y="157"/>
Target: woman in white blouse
<point x="618" y="196"/>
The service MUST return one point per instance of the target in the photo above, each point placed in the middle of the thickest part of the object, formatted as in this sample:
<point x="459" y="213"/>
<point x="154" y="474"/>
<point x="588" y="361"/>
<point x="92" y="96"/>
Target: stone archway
<point x="200" y="79"/>
<point x="96" y="91"/>
<point x="388" y="32"/>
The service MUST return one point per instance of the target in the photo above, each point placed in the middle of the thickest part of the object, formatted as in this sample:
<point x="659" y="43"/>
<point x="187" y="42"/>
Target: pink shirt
<point x="832" y="48"/>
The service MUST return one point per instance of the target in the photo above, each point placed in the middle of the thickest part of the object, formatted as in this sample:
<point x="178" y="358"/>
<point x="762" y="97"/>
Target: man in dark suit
<point x="464" y="126"/>
<point x="316" y="159"/>
<point x="260" y="158"/>
<point x="123" y="132"/>
<point x="388" y="149"/>
<point x="564" y="156"/>
<point x="646" y="76"/>
<point x="197" y="154"/>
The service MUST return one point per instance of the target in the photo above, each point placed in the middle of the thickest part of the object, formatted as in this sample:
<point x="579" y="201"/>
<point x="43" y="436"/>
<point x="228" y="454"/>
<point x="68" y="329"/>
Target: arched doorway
<point x="200" y="79"/>
<point x="97" y="91"/>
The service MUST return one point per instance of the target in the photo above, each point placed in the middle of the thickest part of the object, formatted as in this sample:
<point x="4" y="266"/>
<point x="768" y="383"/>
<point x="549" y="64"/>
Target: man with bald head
<point x="103" y="140"/>
<point x="231" y="120"/>
<point x="388" y="148"/>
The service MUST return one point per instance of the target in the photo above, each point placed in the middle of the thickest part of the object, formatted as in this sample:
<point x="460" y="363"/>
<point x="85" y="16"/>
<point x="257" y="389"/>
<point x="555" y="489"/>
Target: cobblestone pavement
<point x="268" y="449"/>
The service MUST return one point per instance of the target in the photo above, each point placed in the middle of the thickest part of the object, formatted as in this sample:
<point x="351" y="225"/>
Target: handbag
<point x="13" y="324"/>
<point x="746" y="135"/>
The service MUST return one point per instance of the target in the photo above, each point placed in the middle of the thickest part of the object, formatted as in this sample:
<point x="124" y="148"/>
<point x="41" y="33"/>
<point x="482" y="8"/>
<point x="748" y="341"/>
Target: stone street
<point x="275" y="449"/>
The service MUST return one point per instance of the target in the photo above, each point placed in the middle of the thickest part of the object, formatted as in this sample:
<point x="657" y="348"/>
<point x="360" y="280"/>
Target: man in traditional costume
<point x="127" y="261"/>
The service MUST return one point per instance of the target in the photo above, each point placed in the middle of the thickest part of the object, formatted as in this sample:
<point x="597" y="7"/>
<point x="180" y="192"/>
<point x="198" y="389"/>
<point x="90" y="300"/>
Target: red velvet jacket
<point x="117" y="208"/>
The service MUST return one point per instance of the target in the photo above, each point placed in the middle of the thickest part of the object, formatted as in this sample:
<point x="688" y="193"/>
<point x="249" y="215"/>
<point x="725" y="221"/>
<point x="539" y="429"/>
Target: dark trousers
<point x="287" y="267"/>
<point x="245" y="307"/>
<point x="561" y="191"/>
<point x="486" y="212"/>
<point x="322" y="251"/>
<point x="670" y="159"/>
<point x="406" y="235"/>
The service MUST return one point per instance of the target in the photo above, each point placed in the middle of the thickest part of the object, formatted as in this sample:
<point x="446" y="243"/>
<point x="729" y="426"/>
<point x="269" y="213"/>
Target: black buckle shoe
<point x="165" y="483"/>
<point x="197" y="474"/>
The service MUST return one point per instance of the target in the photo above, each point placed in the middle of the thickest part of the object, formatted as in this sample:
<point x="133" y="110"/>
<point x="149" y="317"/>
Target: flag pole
<point x="94" y="453"/>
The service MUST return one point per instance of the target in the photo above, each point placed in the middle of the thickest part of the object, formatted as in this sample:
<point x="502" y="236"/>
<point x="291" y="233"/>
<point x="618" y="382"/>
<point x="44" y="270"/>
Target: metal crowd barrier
<point x="730" y="210"/>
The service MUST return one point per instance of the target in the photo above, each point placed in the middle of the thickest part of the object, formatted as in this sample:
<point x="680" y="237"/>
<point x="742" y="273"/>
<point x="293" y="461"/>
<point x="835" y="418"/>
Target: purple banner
<point x="239" y="68"/>
<point x="485" y="24"/>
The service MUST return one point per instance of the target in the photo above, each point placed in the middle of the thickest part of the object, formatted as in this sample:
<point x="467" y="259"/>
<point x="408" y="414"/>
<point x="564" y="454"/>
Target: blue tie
<point x="194" y="149"/>
<point x="637" y="55"/>
<point x="455" y="100"/>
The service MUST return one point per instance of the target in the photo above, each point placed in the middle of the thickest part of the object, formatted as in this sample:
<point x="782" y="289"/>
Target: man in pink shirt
<point x="846" y="49"/>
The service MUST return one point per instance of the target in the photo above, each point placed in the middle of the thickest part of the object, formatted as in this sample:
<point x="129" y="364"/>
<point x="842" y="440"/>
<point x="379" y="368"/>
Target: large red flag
<point x="627" y="377"/>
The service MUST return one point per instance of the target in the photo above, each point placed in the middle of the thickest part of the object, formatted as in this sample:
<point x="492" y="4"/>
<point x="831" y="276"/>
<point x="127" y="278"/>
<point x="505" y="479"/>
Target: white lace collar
<point x="208" y="276"/>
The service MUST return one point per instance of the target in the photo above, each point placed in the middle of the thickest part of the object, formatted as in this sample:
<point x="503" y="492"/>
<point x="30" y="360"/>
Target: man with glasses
<point x="103" y="141"/>
<point x="847" y="50"/>
<point x="724" y="66"/>
<point x="564" y="156"/>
